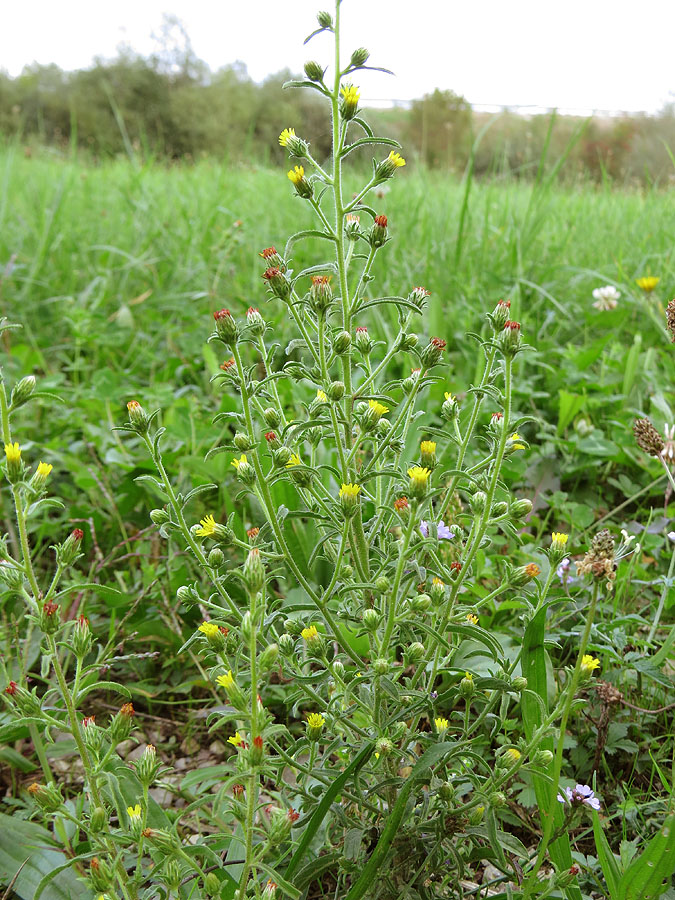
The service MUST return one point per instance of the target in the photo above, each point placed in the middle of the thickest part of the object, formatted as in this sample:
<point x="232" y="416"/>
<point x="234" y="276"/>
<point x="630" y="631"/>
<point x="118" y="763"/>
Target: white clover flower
<point x="606" y="297"/>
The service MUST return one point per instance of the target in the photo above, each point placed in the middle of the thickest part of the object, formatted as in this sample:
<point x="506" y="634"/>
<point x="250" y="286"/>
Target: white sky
<point x="575" y="55"/>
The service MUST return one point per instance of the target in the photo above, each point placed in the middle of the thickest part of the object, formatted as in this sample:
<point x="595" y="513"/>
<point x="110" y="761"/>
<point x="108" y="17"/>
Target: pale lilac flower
<point x="442" y="530"/>
<point x="671" y="535"/>
<point x="580" y="794"/>
<point x="606" y="297"/>
<point x="563" y="572"/>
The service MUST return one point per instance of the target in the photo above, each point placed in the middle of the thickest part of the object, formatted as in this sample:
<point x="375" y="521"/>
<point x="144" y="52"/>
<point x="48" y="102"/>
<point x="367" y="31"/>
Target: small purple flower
<point x="579" y="794"/>
<point x="442" y="530"/>
<point x="563" y="572"/>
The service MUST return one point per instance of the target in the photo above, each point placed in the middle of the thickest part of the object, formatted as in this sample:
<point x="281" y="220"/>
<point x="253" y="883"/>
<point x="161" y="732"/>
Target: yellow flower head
<point x="351" y="94"/>
<point x="296" y="175"/>
<point x="419" y="476"/>
<point x="428" y="447"/>
<point x="226" y="680"/>
<point x="43" y="469"/>
<point x="647" y="283"/>
<point x="589" y="664"/>
<point x="320" y="395"/>
<point x="315" y="720"/>
<point x="441" y="723"/>
<point x="515" y="439"/>
<point x="437" y="581"/>
<point x="473" y="620"/>
<point x="13" y="453"/>
<point x="308" y="633"/>
<point x="236" y="740"/>
<point x="238" y="462"/>
<point x="208" y="523"/>
<point x="134" y="812"/>
<point x="378" y="408"/>
<point x="558" y="539"/>
<point x="449" y="396"/>
<point x="208" y="628"/>
<point x="285" y="135"/>
<point x="293" y="461"/>
<point x="512" y="755"/>
<point x="350" y="490"/>
<point x="396" y="159"/>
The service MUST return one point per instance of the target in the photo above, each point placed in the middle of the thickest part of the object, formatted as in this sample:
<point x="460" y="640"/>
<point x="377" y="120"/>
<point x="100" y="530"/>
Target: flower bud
<point x="408" y="343"/>
<point x="315" y="723"/>
<point x="50" y="620"/>
<point x="147" y="766"/>
<point x="347" y="572"/>
<point x="187" y="595"/>
<point x="273" y="258"/>
<point x="499" y="509"/>
<point x="382" y="584"/>
<point x="476" y="815"/>
<point x="414" y="653"/>
<point x="314" y="71"/>
<point x="11" y="576"/>
<point x="558" y="545"/>
<point x="519" y="683"/>
<point x="272" y="417"/>
<point x="437" y="590"/>
<point x="121" y="724"/>
<point x="243" y="441"/>
<point x="497" y="799"/>
<point x="342" y="342"/>
<point x="371" y="620"/>
<point x="336" y="390"/>
<point x="255" y="321"/>
<point x="214" y="636"/>
<point x="450" y="407"/>
<point x="378" y="233"/>
<point x="466" y="686"/>
<point x="419" y="478"/>
<point x="418" y="296"/>
<point x="245" y="471"/>
<point x="520" y="508"/>
<point x="100" y="874"/>
<point x="226" y="327"/>
<point x="565" y="879"/>
<point x="69" y="550"/>
<point x="320" y="293"/>
<point x="26" y="702"/>
<point x="92" y="734"/>
<point x="159" y="516"/>
<point x="524" y="574"/>
<point x="338" y="670"/>
<point x="172" y="874"/>
<point x="256" y="751"/>
<point x="384" y="746"/>
<point x="510" y="338"/>
<point x="349" y="498"/>
<point x="47" y="797"/>
<point x="363" y="342"/>
<point x="381" y="666"/>
<point x="98" y="819"/>
<point x="294" y="627"/>
<point x="282" y="456"/>
<point x="275" y="278"/>
<point x="81" y="638"/>
<point x="22" y="391"/>
<point x="352" y="227"/>
<point x="268" y="658"/>
<point x="542" y="758"/>
<point x="350" y="101"/>
<point x="254" y="571"/>
<point x="324" y="19"/>
<point x="432" y="352"/>
<point x="447" y="791"/>
<point x="216" y="558"/>
<point x="359" y="57"/>
<point x="162" y="840"/>
<point x="478" y="501"/>
<point x="420" y="603"/>
<point x="314" y="641"/>
<point x="287" y="644"/>
<point x="211" y="885"/>
<point x="500" y="315"/>
<point x="428" y="454"/>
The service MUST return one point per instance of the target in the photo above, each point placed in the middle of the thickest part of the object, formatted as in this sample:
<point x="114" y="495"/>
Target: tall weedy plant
<point x="375" y="727"/>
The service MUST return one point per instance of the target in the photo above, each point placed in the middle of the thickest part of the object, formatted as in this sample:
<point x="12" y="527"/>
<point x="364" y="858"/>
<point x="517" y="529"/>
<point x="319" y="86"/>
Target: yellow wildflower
<point x="239" y="462"/>
<point x="296" y="175"/>
<point x="449" y="396"/>
<point x="378" y="408"/>
<point x="13" y="453"/>
<point x="320" y="395"/>
<point x="441" y="723"/>
<point x="396" y="159"/>
<point x="308" y="633"/>
<point x="589" y="664"/>
<point x="558" y="540"/>
<point x="512" y="755"/>
<point x="350" y="490"/>
<point x="473" y="620"/>
<point x="351" y="94"/>
<point x="134" y="812"/>
<point x="647" y="283"/>
<point x="515" y="438"/>
<point x="315" y="720"/>
<point x="428" y="446"/>
<point x="44" y="469"/>
<point x="226" y="680"/>
<point x="419" y="476"/>
<point x="285" y="135"/>
<point x="293" y="461"/>
<point x="208" y="523"/>
<point x="236" y="740"/>
<point x="208" y="628"/>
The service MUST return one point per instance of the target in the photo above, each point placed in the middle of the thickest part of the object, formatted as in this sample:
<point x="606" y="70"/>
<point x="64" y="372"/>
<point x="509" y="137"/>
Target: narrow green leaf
<point x="608" y="863"/>
<point x="644" y="877"/>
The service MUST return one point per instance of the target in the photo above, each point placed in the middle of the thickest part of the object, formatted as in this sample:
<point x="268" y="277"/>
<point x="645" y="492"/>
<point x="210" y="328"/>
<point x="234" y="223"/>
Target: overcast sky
<point x="574" y="55"/>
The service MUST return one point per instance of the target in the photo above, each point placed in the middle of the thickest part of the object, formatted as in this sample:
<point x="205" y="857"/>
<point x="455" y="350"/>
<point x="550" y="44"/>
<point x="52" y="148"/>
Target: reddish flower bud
<point x="11" y="688"/>
<point x="227" y="364"/>
<point x="253" y="532"/>
<point x="77" y="534"/>
<point x="293" y="815"/>
<point x="381" y="221"/>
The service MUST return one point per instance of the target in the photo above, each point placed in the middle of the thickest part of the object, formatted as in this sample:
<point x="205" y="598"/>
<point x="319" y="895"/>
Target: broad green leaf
<point x="644" y="877"/>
